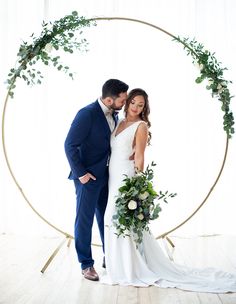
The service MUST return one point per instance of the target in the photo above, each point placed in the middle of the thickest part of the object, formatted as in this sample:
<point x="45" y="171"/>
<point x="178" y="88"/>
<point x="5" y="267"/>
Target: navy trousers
<point x="91" y="199"/>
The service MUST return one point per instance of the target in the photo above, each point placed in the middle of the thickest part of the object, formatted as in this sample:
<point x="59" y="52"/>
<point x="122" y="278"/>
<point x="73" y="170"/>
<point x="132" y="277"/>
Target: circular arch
<point x="68" y="235"/>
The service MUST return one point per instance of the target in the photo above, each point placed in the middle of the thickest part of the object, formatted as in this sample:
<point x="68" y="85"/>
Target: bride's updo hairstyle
<point x="146" y="110"/>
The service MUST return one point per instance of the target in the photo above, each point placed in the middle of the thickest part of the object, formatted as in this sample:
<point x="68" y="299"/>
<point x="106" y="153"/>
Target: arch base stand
<point x="55" y="252"/>
<point x="68" y="239"/>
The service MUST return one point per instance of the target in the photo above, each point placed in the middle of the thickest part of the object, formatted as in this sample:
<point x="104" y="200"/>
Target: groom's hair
<point x="113" y="87"/>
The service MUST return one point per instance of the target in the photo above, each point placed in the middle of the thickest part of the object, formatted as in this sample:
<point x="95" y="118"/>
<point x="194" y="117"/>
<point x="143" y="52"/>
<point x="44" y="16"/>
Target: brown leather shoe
<point x="90" y="274"/>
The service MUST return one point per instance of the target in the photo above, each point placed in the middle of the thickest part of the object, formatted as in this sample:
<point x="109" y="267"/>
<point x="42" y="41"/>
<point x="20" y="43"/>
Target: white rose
<point x="201" y="66"/>
<point x="140" y="216"/>
<point x="132" y="205"/>
<point x="210" y="82"/>
<point x="48" y="47"/>
<point x="143" y="196"/>
<point x="198" y="66"/>
<point x="219" y="88"/>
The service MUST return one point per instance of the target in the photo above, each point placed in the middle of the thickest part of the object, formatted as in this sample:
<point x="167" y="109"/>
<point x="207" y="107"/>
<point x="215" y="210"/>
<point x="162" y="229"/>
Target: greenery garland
<point x="57" y="35"/>
<point x="60" y="35"/>
<point x="211" y="70"/>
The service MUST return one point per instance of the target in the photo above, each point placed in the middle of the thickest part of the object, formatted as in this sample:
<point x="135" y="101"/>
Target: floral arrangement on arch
<point x="60" y="35"/>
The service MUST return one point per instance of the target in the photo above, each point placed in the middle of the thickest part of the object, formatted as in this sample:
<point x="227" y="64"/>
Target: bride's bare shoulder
<point x="142" y="128"/>
<point x="142" y="125"/>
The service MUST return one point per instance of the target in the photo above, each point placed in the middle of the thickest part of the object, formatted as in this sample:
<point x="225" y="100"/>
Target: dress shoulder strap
<point x="135" y="126"/>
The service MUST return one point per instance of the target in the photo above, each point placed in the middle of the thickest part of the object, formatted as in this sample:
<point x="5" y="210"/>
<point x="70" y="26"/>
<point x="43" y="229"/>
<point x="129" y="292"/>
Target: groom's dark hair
<point x="113" y="87"/>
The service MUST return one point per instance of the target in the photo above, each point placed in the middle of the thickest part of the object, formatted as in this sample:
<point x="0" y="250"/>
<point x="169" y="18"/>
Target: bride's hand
<point x="84" y="179"/>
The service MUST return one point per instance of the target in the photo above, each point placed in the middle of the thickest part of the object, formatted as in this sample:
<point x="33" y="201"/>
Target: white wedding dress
<point x="147" y="265"/>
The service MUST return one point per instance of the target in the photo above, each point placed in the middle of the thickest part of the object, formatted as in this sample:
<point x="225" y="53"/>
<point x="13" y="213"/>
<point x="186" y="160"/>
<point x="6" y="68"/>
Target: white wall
<point x="188" y="138"/>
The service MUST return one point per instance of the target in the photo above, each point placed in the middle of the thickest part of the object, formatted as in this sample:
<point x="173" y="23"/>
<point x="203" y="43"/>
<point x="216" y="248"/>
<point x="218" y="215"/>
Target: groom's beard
<point x="116" y="108"/>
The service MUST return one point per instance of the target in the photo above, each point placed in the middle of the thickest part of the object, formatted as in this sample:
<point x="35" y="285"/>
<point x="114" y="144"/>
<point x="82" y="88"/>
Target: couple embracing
<point x="100" y="149"/>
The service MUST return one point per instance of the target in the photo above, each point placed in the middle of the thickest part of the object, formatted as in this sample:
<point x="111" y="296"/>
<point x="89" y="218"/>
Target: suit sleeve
<point x="77" y="134"/>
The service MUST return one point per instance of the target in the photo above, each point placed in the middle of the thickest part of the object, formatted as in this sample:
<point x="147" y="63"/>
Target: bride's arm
<point x="141" y="138"/>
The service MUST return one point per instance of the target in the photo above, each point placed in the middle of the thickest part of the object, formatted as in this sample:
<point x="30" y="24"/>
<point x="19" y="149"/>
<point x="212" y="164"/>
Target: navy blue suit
<point x="87" y="148"/>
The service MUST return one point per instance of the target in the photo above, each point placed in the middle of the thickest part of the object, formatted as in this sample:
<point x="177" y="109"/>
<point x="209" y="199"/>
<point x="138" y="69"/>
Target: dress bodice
<point x="120" y="164"/>
<point x="122" y="143"/>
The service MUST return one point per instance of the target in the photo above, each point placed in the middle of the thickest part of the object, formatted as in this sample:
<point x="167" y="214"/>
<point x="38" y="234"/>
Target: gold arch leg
<point x="170" y="242"/>
<point x="55" y="252"/>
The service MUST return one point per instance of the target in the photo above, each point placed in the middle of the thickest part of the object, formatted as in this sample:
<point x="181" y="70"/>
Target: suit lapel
<point x="102" y="118"/>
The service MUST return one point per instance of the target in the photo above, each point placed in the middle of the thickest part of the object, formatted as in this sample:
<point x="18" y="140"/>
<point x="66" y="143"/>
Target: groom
<point x="87" y="148"/>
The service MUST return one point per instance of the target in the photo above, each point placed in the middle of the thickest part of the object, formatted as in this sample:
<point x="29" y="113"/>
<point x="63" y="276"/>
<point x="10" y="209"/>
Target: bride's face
<point x="136" y="106"/>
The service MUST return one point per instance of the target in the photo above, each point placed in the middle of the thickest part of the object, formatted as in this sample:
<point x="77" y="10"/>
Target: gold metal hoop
<point x="67" y="235"/>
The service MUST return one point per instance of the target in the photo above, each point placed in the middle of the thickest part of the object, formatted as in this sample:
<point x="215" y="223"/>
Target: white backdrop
<point x="188" y="138"/>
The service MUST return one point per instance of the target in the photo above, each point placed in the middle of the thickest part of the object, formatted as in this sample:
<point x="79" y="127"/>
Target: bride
<point x="146" y="265"/>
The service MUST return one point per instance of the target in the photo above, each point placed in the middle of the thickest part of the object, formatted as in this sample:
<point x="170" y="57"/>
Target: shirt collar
<point x="104" y="108"/>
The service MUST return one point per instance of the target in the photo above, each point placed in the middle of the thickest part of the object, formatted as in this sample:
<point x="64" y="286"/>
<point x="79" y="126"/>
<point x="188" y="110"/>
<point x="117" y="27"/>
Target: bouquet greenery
<point x="136" y="204"/>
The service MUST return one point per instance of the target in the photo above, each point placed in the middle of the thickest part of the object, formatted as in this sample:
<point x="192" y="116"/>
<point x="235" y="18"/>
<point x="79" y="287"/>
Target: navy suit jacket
<point x="87" y="144"/>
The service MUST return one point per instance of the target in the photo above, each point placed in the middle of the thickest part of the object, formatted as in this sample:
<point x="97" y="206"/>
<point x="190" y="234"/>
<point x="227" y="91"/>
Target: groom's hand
<point x="84" y="179"/>
<point x="132" y="156"/>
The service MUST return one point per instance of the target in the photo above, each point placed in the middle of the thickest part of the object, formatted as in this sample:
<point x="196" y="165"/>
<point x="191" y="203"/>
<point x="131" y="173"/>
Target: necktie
<point x="115" y="117"/>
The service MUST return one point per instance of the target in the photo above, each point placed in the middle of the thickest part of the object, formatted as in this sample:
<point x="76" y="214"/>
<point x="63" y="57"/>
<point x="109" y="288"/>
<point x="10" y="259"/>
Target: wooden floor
<point x="21" y="282"/>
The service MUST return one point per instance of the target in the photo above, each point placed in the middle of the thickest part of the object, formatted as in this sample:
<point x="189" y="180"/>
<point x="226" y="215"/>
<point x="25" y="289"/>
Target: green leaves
<point x="136" y="204"/>
<point x="210" y="69"/>
<point x="54" y="36"/>
<point x="156" y="212"/>
<point x="199" y="79"/>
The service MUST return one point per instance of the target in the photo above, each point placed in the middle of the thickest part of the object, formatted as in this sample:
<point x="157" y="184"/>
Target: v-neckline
<point x="115" y="134"/>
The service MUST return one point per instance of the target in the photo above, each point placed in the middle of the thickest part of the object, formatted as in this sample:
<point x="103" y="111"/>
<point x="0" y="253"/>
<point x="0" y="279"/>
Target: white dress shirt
<point x="108" y="113"/>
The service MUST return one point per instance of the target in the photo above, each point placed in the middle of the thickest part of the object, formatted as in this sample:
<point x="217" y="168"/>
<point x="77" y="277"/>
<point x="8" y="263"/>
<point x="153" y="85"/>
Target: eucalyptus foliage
<point x="54" y="36"/>
<point x="60" y="35"/>
<point x="211" y="70"/>
<point x="137" y="204"/>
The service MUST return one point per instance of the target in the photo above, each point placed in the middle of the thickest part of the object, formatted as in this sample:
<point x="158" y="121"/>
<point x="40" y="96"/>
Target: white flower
<point x="140" y="216"/>
<point x="132" y="205"/>
<point x="210" y="82"/>
<point x="48" y="47"/>
<point x="199" y="66"/>
<point x="143" y="196"/>
<point x="219" y="88"/>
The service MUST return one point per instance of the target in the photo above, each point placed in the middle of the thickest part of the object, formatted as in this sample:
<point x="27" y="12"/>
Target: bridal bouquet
<point x="137" y="204"/>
